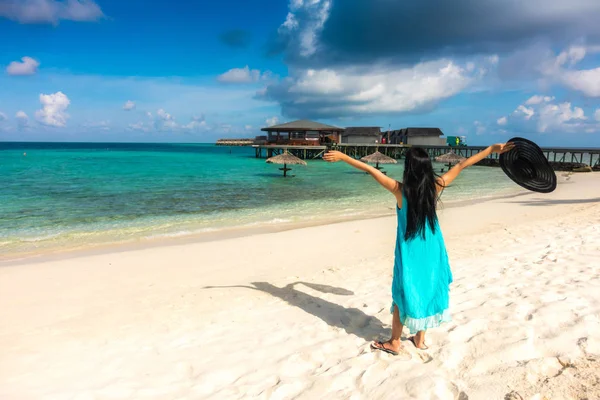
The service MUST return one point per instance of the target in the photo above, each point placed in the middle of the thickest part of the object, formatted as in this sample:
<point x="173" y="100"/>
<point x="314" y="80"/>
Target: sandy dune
<point x="290" y="315"/>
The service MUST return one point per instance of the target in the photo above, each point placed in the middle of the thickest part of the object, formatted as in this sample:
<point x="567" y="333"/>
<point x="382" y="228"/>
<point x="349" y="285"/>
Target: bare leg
<point x="419" y="339"/>
<point x="394" y="343"/>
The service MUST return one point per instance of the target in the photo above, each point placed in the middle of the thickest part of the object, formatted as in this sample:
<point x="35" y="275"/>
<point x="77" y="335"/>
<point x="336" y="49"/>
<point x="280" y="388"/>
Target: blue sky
<point x="188" y="71"/>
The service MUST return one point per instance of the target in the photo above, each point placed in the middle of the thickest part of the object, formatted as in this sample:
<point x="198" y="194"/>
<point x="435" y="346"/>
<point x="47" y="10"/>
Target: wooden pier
<point x="561" y="159"/>
<point x="235" y="142"/>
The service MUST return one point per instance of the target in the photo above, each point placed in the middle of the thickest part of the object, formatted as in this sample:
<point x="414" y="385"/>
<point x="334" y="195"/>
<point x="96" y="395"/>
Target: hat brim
<point x="527" y="166"/>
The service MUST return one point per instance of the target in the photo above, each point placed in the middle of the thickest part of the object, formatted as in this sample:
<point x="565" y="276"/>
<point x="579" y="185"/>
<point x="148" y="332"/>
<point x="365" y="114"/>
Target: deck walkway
<point x="561" y="158"/>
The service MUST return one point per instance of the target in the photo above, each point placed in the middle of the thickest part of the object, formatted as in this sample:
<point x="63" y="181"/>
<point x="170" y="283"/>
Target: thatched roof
<point x="378" y="158"/>
<point x="302" y="125"/>
<point x="286" y="158"/>
<point x="362" y="131"/>
<point x="450" y="158"/>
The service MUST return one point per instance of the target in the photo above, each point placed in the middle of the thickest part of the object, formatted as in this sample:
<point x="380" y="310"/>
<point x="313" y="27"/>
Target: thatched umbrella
<point x="285" y="159"/>
<point x="378" y="158"/>
<point x="450" y="158"/>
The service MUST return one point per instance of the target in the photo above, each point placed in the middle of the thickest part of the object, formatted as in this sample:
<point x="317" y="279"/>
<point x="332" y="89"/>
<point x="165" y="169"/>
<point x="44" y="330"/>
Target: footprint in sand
<point x="425" y="357"/>
<point x="443" y="388"/>
<point x="297" y="365"/>
<point x="374" y="375"/>
<point x="529" y="317"/>
<point x="287" y="390"/>
<point x="582" y="343"/>
<point x="513" y="396"/>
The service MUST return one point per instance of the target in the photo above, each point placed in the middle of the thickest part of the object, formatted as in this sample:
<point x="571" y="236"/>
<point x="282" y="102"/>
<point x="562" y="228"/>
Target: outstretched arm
<point x="384" y="180"/>
<point x="451" y="175"/>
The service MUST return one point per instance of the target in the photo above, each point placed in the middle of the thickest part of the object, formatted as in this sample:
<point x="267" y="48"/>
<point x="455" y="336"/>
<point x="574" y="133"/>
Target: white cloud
<point x="129" y="105"/>
<point x="527" y="113"/>
<point x="139" y="126"/>
<point x="169" y="125"/>
<point x="560" y="69"/>
<point x="537" y="99"/>
<point x="493" y="59"/>
<point x="597" y="115"/>
<point x="27" y="66"/>
<point x="480" y="129"/>
<point x="314" y="15"/>
<point x="3" y="117"/>
<point x="53" y="112"/>
<point x="290" y="22"/>
<point x="272" y="121"/>
<point x="309" y="36"/>
<point x="556" y="116"/>
<point x="196" y="124"/>
<point x="547" y="116"/>
<point x="22" y="119"/>
<point x="584" y="81"/>
<point x="164" y="120"/>
<point x="248" y="127"/>
<point x="101" y="125"/>
<point x="243" y="75"/>
<point x="364" y="91"/>
<point x="162" y="114"/>
<point x="224" y="128"/>
<point x="571" y="56"/>
<point x="50" y="11"/>
<point x="502" y="121"/>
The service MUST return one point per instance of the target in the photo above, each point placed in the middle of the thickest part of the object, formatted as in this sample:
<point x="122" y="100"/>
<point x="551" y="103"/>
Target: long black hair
<point x="420" y="189"/>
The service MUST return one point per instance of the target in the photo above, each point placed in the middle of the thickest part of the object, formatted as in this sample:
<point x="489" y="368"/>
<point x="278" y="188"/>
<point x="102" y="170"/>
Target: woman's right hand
<point x="333" y="156"/>
<point x="502" y="147"/>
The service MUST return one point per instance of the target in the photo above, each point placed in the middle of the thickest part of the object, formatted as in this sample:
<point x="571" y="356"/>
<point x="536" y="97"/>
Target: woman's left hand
<point x="334" y="156"/>
<point x="502" y="147"/>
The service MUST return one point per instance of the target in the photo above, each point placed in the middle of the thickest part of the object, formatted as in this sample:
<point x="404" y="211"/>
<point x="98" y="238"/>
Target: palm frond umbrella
<point x="285" y="159"/>
<point x="378" y="158"/>
<point x="450" y="158"/>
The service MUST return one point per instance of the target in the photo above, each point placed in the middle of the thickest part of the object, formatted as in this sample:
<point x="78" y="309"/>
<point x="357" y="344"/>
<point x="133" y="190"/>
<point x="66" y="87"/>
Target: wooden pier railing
<point x="235" y="142"/>
<point x="561" y="159"/>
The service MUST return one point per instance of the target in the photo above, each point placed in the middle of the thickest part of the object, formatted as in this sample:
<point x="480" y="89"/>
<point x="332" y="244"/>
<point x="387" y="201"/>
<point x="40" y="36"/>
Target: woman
<point x="422" y="275"/>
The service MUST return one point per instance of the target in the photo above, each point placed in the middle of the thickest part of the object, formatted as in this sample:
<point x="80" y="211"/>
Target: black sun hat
<point x="527" y="166"/>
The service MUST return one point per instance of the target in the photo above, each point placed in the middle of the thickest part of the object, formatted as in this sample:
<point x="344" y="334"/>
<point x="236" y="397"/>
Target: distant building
<point x="302" y="133"/>
<point x="416" y="137"/>
<point x="361" y="135"/>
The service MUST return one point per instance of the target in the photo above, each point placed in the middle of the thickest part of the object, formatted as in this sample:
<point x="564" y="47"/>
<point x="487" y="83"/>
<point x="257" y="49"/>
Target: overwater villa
<point x="416" y="137"/>
<point x="361" y="135"/>
<point x="302" y="133"/>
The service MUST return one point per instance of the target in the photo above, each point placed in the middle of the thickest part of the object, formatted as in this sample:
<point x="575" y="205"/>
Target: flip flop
<point x="412" y="339"/>
<point x="382" y="348"/>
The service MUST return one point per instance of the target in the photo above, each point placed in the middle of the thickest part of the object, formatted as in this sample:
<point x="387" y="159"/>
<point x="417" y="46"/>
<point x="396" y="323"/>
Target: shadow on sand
<point x="352" y="320"/>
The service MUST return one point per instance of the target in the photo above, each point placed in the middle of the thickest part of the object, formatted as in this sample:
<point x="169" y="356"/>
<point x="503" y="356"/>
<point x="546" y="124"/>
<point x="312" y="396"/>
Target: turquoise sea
<point x="64" y="196"/>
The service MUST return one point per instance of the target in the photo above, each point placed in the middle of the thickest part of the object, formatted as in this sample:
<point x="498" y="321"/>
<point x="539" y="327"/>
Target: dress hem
<point x="415" y="325"/>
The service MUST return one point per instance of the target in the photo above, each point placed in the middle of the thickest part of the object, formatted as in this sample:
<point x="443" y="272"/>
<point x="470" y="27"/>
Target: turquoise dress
<point x="422" y="276"/>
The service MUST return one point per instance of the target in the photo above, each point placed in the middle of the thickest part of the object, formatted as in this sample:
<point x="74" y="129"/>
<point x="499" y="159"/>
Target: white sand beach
<point x="290" y="315"/>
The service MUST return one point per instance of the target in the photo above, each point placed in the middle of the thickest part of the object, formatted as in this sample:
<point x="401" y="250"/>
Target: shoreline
<point x="217" y="234"/>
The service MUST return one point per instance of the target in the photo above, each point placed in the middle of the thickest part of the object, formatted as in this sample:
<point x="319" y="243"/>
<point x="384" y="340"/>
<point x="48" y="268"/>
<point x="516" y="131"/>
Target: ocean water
<point x="62" y="196"/>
